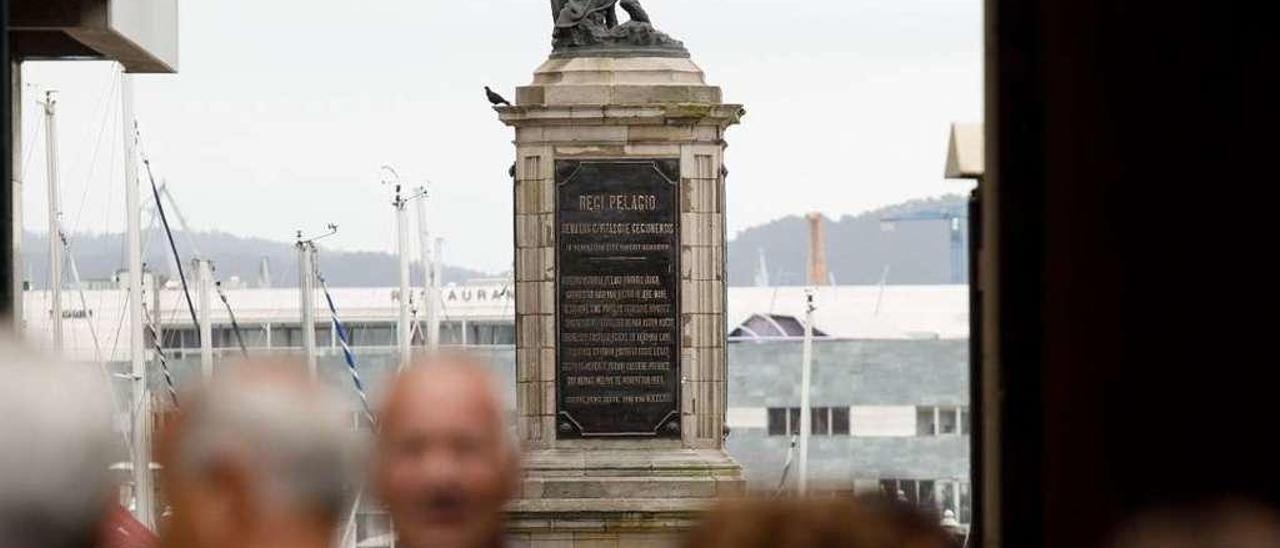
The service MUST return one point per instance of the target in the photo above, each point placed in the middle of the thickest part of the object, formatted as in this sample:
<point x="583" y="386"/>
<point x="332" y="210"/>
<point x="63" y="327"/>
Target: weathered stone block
<point x="674" y="94"/>
<point x="529" y="397"/>
<point x="701" y="263"/>
<point x="535" y="297"/>
<point x="586" y="134"/>
<point x="527" y="364"/>
<point x="548" y="324"/>
<point x="535" y="196"/>
<point x="579" y="524"/>
<point x="535" y="230"/>
<point x="640" y="134"/>
<point x="547" y="390"/>
<point x="534" y="264"/>
<point x="710" y="396"/>
<point x="581" y="540"/>
<point x="533" y="161"/>
<point x="702" y="364"/>
<point x="531" y="134"/>
<point x="578" y="95"/>
<point x="701" y="161"/>
<point x="538" y="542"/>
<point x="547" y="366"/>
<point x="535" y="331"/>
<point x="652" y="150"/>
<point x="701" y="229"/>
<point x="570" y="151"/>
<point x="702" y="297"/>
<point x="530" y="430"/>
<point x="565" y="152"/>
<point x="530" y="95"/>
<point x="701" y="195"/>
<point x="699" y="330"/>
<point x="706" y="133"/>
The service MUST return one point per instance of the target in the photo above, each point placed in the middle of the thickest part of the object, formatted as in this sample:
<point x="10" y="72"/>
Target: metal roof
<point x="844" y="312"/>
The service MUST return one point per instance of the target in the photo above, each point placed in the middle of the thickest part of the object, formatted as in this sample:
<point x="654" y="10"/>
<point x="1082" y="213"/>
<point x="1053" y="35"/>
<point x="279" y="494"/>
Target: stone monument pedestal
<point x="620" y="300"/>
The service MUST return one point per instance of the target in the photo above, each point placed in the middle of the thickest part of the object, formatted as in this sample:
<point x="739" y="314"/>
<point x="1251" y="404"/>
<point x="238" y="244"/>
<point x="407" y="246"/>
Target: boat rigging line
<point x="345" y="342"/>
<point x="158" y="346"/>
<point x="235" y="326"/>
<point x="186" y="231"/>
<point x="155" y="191"/>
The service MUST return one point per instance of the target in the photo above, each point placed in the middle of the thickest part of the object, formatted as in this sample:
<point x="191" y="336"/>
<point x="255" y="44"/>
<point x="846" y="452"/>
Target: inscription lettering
<point x="617" y="202"/>
<point x="617" y="275"/>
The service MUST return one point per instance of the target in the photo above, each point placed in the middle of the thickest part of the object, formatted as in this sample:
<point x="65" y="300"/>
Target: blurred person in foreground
<point x="444" y="463"/>
<point x="817" y="523"/>
<point x="56" y="446"/>
<point x="262" y="456"/>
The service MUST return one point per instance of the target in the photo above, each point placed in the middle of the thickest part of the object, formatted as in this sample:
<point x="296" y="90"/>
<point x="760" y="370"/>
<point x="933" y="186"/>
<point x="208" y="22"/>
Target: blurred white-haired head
<point x="56" y="444"/>
<point x="264" y="439"/>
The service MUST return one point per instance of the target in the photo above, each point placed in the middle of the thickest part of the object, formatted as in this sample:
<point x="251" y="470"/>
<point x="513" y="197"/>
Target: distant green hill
<point x="858" y="248"/>
<point x="101" y="255"/>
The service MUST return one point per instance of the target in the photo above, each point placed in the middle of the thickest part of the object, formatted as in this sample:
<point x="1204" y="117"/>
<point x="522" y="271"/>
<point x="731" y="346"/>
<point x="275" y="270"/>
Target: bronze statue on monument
<point x="592" y="27"/>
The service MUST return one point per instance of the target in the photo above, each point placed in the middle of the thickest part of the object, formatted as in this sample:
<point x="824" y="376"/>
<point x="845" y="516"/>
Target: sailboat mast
<point x="306" y="293"/>
<point x="204" y="284"/>
<point x="55" y="232"/>
<point x="137" y="349"/>
<point x="424" y="256"/>
<point x="404" y="331"/>
<point x="806" y="376"/>
<point x="433" y="294"/>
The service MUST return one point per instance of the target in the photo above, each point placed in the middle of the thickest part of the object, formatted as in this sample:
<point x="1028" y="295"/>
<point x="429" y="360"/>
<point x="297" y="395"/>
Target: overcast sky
<point x="283" y="111"/>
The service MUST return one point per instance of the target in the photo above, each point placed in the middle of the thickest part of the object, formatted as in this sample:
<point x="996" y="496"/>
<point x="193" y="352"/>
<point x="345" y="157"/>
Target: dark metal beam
<point x="7" y="235"/>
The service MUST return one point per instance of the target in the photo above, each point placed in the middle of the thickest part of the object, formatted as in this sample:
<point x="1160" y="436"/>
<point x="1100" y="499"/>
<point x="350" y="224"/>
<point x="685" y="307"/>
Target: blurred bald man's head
<point x="262" y="456"/>
<point x="445" y="464"/>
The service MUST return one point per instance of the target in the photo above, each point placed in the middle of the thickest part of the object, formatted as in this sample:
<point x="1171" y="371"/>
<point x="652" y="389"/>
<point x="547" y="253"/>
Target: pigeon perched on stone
<point x="495" y="98"/>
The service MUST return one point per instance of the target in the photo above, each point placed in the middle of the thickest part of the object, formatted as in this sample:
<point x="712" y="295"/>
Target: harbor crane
<point x="956" y="218"/>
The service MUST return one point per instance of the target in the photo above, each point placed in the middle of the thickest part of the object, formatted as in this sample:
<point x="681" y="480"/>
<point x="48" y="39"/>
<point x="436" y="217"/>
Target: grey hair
<point x="56" y="445"/>
<point x="301" y="450"/>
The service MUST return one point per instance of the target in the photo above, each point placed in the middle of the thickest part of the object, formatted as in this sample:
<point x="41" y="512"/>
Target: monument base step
<point x="618" y="497"/>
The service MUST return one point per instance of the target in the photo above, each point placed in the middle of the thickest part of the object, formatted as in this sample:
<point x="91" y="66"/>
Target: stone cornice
<point x="674" y="114"/>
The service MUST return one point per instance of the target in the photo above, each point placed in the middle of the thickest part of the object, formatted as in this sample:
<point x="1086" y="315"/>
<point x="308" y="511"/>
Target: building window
<point x="777" y="425"/>
<point x="285" y="337"/>
<point x="942" y="421"/>
<point x="840" y="421"/>
<point x="486" y="334"/>
<point x="948" y="418"/>
<point x="451" y="333"/>
<point x="820" y="423"/>
<point x="826" y="421"/>
<point x="907" y="492"/>
<point x="926" y="423"/>
<point x="926" y="497"/>
<point x="255" y="336"/>
<point x="179" y="338"/>
<point x="371" y="334"/>
<point x="934" y="496"/>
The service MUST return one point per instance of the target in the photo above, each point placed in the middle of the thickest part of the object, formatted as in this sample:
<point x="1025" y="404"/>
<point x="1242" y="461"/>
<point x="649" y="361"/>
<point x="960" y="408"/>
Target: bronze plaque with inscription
<point x="617" y="283"/>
